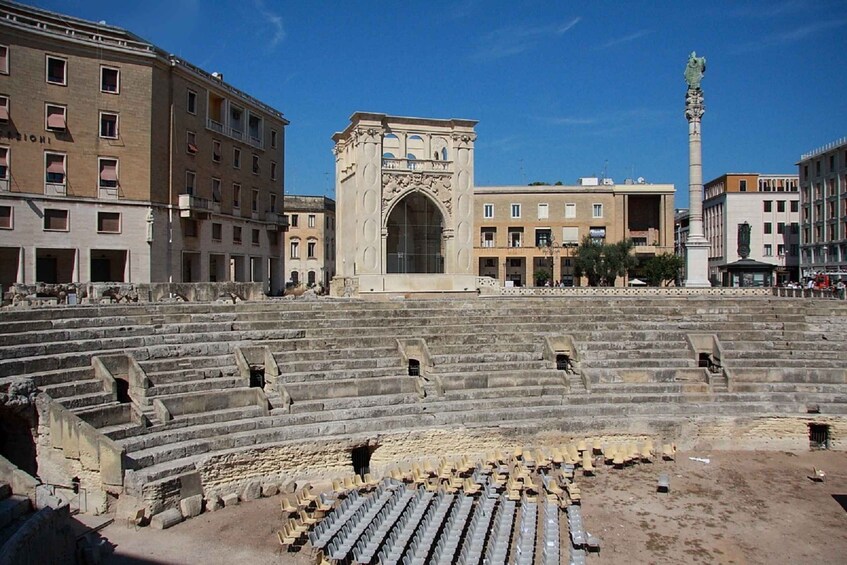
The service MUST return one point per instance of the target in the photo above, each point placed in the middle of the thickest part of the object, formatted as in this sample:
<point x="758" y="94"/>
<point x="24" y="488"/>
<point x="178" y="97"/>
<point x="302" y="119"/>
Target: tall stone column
<point x="696" y="246"/>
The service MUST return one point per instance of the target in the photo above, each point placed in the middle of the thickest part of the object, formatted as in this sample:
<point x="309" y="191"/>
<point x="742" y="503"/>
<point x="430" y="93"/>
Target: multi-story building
<point x="310" y="239"/>
<point x="528" y="233"/>
<point x="823" y="197"/>
<point x="769" y="206"/>
<point x="120" y="162"/>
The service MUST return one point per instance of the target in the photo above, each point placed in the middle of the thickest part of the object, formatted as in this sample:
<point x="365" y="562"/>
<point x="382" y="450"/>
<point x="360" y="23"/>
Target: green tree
<point x="542" y="275"/>
<point x="539" y="183"/>
<point x="602" y="263"/>
<point x="662" y="269"/>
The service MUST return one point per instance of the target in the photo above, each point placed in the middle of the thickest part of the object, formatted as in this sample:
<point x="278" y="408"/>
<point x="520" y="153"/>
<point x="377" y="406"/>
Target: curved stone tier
<point x="186" y="398"/>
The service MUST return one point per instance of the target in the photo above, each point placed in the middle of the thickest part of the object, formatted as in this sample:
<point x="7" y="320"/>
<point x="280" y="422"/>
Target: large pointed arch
<point x="414" y="225"/>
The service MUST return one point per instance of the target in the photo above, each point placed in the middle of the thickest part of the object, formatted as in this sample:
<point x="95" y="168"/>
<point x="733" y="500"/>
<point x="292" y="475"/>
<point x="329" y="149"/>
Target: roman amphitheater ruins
<point x="441" y="407"/>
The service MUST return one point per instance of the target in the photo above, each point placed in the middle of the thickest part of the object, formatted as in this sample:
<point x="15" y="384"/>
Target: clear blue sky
<point x="560" y="89"/>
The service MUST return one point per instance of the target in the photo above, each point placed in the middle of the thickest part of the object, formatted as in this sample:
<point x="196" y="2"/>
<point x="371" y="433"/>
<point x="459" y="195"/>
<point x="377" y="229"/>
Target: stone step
<point x="535" y="349"/>
<point x="342" y="374"/>
<point x="811" y="364"/>
<point x="86" y="400"/>
<point x="118" y="432"/>
<point x="495" y="379"/>
<point x="177" y="376"/>
<point x="75" y="388"/>
<point x="531" y="395"/>
<point x="647" y="363"/>
<point x="381" y="400"/>
<point x="485" y="357"/>
<point x="63" y="376"/>
<point x="214" y="383"/>
<point x="156" y="365"/>
<point x="334" y="353"/>
<point x="377" y="362"/>
<point x="351" y="389"/>
<point x="502" y="366"/>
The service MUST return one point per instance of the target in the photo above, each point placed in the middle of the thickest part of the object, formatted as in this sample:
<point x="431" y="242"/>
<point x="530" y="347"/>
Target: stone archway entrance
<point x="414" y="243"/>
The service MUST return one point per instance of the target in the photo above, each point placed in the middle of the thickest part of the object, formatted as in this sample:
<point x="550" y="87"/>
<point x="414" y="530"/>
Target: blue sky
<point x="560" y="89"/>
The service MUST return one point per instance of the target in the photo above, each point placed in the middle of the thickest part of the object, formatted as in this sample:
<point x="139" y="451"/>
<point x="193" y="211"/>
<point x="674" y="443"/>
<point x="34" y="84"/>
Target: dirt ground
<point x="740" y="508"/>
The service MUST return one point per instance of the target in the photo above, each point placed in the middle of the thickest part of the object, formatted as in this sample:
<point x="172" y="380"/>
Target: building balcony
<point x="108" y="192"/>
<point x="417" y="165"/>
<point x="194" y="207"/>
<point x="275" y="221"/>
<point x="235" y="133"/>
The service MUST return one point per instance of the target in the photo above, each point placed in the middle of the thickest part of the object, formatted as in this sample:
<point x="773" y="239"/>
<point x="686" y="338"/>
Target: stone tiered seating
<point x="340" y="364"/>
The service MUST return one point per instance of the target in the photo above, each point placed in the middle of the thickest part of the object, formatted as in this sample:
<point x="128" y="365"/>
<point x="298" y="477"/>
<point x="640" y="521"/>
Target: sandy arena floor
<point x="742" y="507"/>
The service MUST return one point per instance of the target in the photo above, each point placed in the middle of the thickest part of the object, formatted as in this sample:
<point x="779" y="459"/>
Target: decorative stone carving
<point x="397" y="185"/>
<point x="463" y="140"/>
<point x="694" y="107"/>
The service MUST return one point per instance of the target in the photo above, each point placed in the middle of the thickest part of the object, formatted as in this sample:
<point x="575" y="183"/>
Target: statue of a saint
<point x="694" y="70"/>
<point x="744" y="240"/>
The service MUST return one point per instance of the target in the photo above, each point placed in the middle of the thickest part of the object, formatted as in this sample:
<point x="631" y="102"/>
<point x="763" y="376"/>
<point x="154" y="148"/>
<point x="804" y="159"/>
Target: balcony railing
<point x="4" y="185"/>
<point x="234" y="133"/>
<point x="55" y="189"/>
<point x="194" y="206"/>
<point x="421" y="165"/>
<point x="275" y="221"/>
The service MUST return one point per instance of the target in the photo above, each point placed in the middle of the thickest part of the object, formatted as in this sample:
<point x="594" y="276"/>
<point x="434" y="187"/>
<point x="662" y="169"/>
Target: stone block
<point x="287" y="487"/>
<point x="166" y="519"/>
<point x="230" y="499"/>
<point x="191" y="506"/>
<point x="270" y="490"/>
<point x="214" y="503"/>
<point x="252" y="490"/>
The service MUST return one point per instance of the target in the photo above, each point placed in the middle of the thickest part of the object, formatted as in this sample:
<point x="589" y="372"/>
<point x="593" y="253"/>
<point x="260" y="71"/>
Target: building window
<point x="310" y="248"/>
<point x="515" y="238"/>
<point x="236" y="234"/>
<point x="57" y="70"/>
<point x="516" y="211"/>
<point x="570" y="235"/>
<point x="795" y="206"/>
<point x="217" y="230"/>
<point x="216" y="191"/>
<point x="236" y="158"/>
<point x="295" y="249"/>
<point x="768" y="251"/>
<point x="597" y="211"/>
<point x="795" y="228"/>
<point x="55" y="117"/>
<point x="780" y="205"/>
<point x="4" y="165"/>
<point x="190" y="177"/>
<point x="273" y="170"/>
<point x="311" y="220"/>
<point x="216" y="151"/>
<point x="255" y="203"/>
<point x="780" y="250"/>
<point x="742" y="185"/>
<point x="768" y="205"/>
<point x="488" y="236"/>
<point x="110" y="80"/>
<point x="255" y="237"/>
<point x="255" y="164"/>
<point x="55" y="220"/>
<point x="108" y="222"/>
<point x="273" y="139"/>
<point x="6" y="218"/>
<point x="570" y="210"/>
<point x="294" y="220"/>
<point x="108" y="125"/>
<point x="236" y="195"/>
<point x="108" y="173"/>
<point x="4" y="108"/>
<point x="55" y="168"/>
<point x="780" y="227"/>
<point x="191" y="103"/>
<point x="543" y="211"/>
<point x="543" y="237"/>
<point x="768" y="227"/>
<point x="488" y="211"/>
<point x="4" y="59"/>
<point x="794" y="249"/>
<point x="191" y="143"/>
<point x="273" y="238"/>
<point x="272" y="207"/>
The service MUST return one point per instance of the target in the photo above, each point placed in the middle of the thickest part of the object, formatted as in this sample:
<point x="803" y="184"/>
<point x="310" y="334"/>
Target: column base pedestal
<point x="697" y="263"/>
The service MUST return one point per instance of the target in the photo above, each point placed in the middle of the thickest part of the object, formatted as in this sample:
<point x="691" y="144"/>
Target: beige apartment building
<point x="525" y="231"/>
<point x="768" y="205"/>
<point x="310" y="239"/>
<point x="120" y="162"/>
<point x="823" y="197"/>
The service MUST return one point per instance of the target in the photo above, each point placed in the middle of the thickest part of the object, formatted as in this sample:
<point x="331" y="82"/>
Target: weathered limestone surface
<point x="166" y="519"/>
<point x="191" y="506"/>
